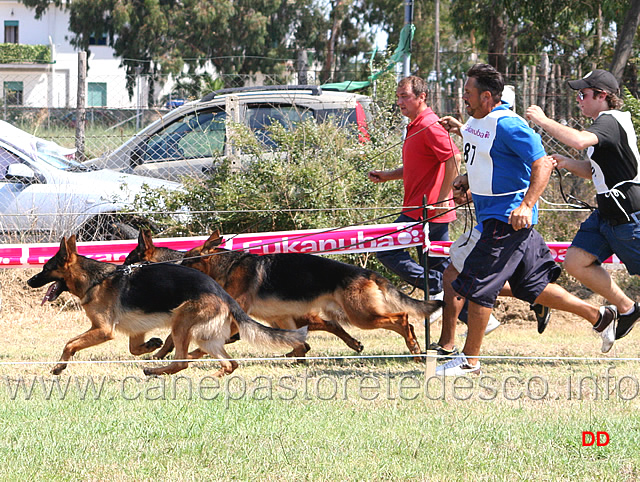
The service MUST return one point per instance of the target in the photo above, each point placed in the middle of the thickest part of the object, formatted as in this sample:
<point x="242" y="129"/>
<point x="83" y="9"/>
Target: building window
<point x="13" y="93"/>
<point x="98" y="40"/>
<point x="11" y="32"/>
<point x="97" y="94"/>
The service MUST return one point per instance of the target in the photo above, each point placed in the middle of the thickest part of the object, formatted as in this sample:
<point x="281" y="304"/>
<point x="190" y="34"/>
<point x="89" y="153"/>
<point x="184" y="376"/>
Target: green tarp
<point x="404" y="48"/>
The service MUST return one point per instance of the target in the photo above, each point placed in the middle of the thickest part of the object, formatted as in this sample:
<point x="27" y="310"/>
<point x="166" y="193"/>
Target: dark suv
<point x="186" y="140"/>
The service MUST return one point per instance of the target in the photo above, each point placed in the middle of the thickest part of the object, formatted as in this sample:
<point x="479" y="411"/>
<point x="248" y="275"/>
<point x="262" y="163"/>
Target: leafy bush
<point x="317" y="179"/>
<point x="12" y="53"/>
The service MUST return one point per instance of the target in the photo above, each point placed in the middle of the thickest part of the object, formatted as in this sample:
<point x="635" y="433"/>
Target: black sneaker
<point x="626" y="322"/>
<point x="543" y="314"/>
<point x="443" y="353"/>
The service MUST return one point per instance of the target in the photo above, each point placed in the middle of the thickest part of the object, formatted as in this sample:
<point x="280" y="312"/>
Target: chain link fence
<point x="43" y="100"/>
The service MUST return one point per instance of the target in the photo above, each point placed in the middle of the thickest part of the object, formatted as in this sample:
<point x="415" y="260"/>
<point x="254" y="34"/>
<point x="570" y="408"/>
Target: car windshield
<point x="262" y="117"/>
<point x="341" y="117"/>
<point x="201" y="134"/>
<point x="55" y="158"/>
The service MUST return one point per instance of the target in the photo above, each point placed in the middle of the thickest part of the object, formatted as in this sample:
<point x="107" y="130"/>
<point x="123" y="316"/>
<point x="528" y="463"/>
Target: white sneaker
<point x="458" y="366"/>
<point x="436" y="315"/>
<point x="438" y="296"/>
<point x="491" y="325"/>
<point x="608" y="335"/>
<point x="608" y="338"/>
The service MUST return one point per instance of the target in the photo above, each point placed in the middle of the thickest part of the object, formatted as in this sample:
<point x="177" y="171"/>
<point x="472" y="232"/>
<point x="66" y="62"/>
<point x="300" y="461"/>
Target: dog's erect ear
<point x="67" y="247"/>
<point x="145" y="240"/>
<point x="215" y="235"/>
<point x="214" y="240"/>
<point x="71" y="245"/>
<point x="63" y="247"/>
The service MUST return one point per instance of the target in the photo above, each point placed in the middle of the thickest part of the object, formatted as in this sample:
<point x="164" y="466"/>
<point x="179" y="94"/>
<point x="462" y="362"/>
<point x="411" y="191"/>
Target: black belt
<point x="633" y="218"/>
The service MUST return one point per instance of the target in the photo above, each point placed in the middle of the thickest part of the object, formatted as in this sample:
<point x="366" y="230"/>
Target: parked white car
<point x="45" y="193"/>
<point x="190" y="138"/>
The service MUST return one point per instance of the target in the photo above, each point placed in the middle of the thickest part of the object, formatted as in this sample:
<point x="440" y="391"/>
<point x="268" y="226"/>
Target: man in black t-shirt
<point x="613" y="163"/>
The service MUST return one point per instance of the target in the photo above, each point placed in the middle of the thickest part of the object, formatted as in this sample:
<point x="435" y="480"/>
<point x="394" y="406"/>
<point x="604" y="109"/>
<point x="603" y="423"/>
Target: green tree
<point x="157" y="37"/>
<point x="624" y="47"/>
<point x="580" y="31"/>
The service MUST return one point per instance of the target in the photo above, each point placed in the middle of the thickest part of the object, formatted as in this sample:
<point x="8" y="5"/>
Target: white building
<point x="55" y="84"/>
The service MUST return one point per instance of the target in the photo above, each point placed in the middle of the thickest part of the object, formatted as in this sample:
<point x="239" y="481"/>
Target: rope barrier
<point x="577" y="208"/>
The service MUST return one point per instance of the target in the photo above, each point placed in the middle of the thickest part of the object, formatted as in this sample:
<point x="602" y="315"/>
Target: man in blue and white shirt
<point x="507" y="171"/>
<point x="613" y="163"/>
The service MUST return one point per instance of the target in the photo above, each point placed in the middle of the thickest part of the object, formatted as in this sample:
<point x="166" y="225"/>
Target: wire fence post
<point x="81" y="106"/>
<point x="430" y="355"/>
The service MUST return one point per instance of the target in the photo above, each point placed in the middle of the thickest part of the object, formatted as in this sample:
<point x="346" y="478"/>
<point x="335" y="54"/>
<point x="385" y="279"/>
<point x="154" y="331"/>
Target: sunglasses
<point x="581" y="93"/>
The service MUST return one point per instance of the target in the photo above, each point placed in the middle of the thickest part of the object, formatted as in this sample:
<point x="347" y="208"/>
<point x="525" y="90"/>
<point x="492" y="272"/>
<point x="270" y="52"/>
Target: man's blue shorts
<point x="601" y="239"/>
<point x="503" y="254"/>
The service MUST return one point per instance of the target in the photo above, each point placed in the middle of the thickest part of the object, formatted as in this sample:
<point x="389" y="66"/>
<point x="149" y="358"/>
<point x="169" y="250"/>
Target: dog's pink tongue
<point x="51" y="293"/>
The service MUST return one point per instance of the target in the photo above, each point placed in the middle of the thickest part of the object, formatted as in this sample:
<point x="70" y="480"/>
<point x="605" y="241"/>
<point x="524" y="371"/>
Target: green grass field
<point x="337" y="418"/>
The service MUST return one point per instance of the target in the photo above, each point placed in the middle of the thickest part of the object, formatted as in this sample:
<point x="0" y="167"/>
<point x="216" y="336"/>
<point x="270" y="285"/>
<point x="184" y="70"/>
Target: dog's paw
<point x="58" y="369"/>
<point x="163" y="352"/>
<point x="357" y="346"/>
<point x="299" y="357"/>
<point x="299" y="352"/>
<point x="149" y="372"/>
<point x="153" y="343"/>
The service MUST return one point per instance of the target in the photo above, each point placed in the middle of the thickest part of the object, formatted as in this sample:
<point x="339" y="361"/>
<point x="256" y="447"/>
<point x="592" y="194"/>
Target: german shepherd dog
<point x="136" y="300"/>
<point x="146" y="251"/>
<point x="291" y="290"/>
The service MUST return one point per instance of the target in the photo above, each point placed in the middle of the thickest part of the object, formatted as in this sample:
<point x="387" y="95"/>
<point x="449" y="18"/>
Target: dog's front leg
<point x="137" y="345"/>
<point x="319" y="324"/>
<point x="167" y="347"/>
<point x="180" y="337"/>
<point x="94" y="336"/>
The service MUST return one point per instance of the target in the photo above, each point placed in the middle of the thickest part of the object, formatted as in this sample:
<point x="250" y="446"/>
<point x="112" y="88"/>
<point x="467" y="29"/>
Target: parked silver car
<point x="45" y="193"/>
<point x="188" y="139"/>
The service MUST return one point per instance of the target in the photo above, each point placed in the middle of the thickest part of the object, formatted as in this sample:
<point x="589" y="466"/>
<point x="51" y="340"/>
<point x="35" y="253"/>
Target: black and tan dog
<point x="137" y="300"/>
<point x="290" y="290"/>
<point x="146" y="251"/>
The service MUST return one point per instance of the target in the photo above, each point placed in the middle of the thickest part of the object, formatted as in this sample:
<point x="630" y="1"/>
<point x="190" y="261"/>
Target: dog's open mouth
<point x="53" y="292"/>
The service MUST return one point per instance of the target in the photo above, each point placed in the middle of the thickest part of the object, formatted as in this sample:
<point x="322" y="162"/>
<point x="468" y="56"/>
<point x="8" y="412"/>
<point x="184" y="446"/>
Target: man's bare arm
<point x="541" y="169"/>
<point x="565" y="134"/>
<point x="384" y="176"/>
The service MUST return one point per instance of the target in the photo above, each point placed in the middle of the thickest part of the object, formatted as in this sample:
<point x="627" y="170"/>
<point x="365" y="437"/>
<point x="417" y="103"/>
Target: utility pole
<point x="81" y="106"/>
<point x="436" y="59"/>
<point x="436" y="42"/>
<point x="408" y="20"/>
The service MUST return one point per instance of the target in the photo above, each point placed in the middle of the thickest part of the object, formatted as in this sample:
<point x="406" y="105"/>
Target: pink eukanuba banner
<point x="354" y="239"/>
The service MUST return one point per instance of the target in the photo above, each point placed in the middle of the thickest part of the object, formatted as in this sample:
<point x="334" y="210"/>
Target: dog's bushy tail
<point x="400" y="301"/>
<point x="266" y="337"/>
